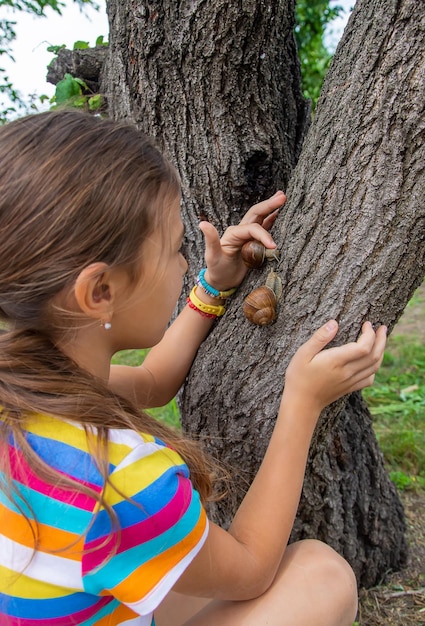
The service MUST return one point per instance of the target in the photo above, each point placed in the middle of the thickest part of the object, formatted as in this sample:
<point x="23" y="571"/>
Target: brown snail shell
<point x="259" y="306"/>
<point x="255" y="253"/>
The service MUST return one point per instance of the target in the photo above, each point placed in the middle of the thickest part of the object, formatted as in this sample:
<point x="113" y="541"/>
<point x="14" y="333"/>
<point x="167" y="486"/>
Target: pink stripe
<point x="24" y="474"/>
<point x="67" y="620"/>
<point x="143" y="531"/>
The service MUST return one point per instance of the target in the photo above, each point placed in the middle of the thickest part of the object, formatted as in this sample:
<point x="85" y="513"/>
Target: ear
<point x="94" y="293"/>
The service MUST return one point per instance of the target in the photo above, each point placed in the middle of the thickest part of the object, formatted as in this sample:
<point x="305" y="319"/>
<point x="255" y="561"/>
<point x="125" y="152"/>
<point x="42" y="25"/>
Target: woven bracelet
<point x="211" y="291"/>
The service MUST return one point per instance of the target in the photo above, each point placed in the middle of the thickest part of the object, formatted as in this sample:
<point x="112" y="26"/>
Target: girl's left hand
<point x="225" y="268"/>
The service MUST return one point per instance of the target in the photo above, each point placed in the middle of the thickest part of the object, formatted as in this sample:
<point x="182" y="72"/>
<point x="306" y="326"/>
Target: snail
<point x="260" y="306"/>
<point x="255" y="253"/>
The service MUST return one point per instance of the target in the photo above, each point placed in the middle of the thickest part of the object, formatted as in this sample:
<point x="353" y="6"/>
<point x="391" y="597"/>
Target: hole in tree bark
<point x="258" y="173"/>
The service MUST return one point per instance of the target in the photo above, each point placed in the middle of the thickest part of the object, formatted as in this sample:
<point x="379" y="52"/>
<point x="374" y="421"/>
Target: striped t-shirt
<point x="69" y="579"/>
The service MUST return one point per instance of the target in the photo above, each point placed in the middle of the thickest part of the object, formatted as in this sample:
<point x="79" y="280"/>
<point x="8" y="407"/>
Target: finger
<point x="364" y="361"/>
<point x="366" y="381"/>
<point x="212" y="239"/>
<point x="236" y="236"/>
<point x="270" y="220"/>
<point x="369" y="345"/>
<point x="367" y="350"/>
<point x="381" y="341"/>
<point x="367" y="336"/>
<point x="258" y="212"/>
<point x="319" y="340"/>
<point x="374" y="357"/>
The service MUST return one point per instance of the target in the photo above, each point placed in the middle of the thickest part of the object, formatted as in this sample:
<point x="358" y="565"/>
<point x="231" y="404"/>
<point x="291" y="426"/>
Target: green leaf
<point x="55" y="49"/>
<point x="66" y="89"/>
<point x="100" y="41"/>
<point x="81" y="45"/>
<point x="79" y="102"/>
<point x="95" y="102"/>
<point x="81" y="82"/>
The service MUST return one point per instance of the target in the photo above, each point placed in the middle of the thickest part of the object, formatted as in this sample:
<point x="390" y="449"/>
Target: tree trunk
<point x="348" y="500"/>
<point x="218" y="85"/>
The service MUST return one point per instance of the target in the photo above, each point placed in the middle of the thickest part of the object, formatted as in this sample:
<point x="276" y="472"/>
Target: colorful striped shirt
<point x="77" y="574"/>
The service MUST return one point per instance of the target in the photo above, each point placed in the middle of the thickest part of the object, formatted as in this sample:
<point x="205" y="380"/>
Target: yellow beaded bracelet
<point x="211" y="309"/>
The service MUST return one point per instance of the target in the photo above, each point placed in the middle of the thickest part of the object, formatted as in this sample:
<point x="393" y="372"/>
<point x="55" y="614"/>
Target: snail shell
<point x="259" y="306"/>
<point x="255" y="253"/>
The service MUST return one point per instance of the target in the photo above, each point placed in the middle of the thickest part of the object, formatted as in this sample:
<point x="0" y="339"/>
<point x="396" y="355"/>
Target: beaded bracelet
<point x="209" y="309"/>
<point x="211" y="291"/>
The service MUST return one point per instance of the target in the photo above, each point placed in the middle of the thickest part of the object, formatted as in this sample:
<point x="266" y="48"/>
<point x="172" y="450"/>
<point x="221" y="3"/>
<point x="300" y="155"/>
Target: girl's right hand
<point x="319" y="377"/>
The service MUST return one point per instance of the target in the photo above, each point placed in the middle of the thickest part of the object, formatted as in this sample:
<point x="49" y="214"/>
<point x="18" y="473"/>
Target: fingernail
<point x="331" y="325"/>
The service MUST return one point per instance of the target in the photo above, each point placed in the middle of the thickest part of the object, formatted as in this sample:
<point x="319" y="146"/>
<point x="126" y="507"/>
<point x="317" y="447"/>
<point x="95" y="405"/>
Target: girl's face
<point x="149" y="303"/>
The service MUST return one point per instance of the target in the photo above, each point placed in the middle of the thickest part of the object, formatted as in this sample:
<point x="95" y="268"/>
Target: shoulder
<point x="126" y="447"/>
<point x="147" y="472"/>
<point x="161" y="524"/>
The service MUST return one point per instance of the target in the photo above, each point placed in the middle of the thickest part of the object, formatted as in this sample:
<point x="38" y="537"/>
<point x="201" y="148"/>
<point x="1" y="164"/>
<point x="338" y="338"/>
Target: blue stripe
<point x="150" y="501"/>
<point x="12" y="504"/>
<point x="49" y="608"/>
<point x="122" y="565"/>
<point x="65" y="458"/>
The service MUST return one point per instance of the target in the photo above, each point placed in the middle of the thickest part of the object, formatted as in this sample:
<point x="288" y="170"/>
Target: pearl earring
<point x="107" y="325"/>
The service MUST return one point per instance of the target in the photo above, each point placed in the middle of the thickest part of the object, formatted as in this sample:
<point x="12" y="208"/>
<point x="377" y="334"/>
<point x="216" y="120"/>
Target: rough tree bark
<point x="218" y="84"/>
<point x="86" y="64"/>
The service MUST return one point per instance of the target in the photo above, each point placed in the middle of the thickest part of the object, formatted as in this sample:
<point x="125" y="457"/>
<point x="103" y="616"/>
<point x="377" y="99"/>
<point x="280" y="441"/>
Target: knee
<point x="333" y="578"/>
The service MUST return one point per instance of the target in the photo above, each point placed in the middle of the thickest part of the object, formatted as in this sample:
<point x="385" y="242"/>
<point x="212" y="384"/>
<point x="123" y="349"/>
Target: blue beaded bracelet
<point x="211" y="291"/>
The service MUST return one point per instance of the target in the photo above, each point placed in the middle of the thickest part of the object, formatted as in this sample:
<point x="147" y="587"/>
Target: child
<point x="102" y="517"/>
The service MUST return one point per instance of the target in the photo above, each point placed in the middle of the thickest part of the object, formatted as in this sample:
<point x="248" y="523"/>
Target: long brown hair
<point x="74" y="189"/>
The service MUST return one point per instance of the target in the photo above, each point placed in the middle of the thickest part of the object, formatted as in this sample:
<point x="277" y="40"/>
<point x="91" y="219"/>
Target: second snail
<point x="260" y="306"/>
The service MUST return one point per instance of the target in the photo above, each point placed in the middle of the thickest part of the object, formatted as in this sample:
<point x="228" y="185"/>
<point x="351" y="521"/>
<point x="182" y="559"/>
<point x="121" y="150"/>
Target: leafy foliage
<point x="73" y="92"/>
<point x="7" y="37"/>
<point x="312" y="19"/>
<point x="37" y="6"/>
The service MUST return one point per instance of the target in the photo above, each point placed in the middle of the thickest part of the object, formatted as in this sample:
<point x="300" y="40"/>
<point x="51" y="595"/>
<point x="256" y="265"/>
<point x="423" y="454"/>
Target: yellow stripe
<point x="57" y="429"/>
<point x="22" y="586"/>
<point x="140" y="474"/>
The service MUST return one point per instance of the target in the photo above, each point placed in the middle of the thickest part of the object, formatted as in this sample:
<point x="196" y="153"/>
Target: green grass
<point x="397" y="404"/>
<point x="129" y="357"/>
<point x="170" y="412"/>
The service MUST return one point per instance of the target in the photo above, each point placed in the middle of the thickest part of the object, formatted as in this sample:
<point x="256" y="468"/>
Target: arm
<point x="157" y="380"/>
<point x="241" y="563"/>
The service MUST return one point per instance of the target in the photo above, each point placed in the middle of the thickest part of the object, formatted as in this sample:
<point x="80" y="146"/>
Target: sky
<point x="35" y="34"/>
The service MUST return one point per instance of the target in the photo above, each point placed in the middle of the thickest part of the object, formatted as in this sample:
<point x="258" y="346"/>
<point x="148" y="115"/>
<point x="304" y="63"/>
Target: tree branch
<point x="86" y="64"/>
